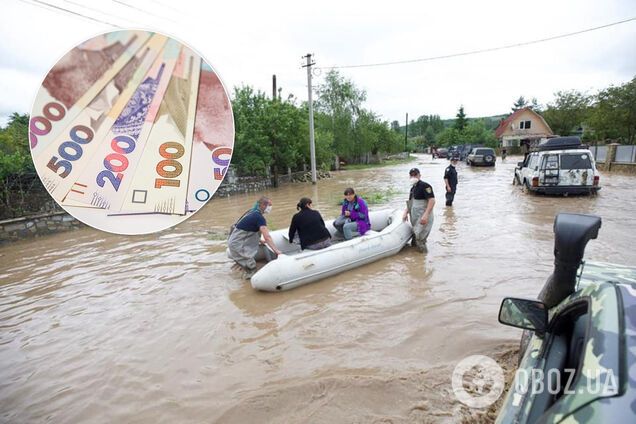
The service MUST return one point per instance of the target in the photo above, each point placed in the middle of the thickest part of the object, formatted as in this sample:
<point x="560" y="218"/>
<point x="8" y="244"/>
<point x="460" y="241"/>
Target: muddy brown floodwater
<point x="103" y="328"/>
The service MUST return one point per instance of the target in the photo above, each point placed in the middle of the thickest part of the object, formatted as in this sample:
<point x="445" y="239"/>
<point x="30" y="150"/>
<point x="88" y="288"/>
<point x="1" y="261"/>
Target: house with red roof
<point x="523" y="127"/>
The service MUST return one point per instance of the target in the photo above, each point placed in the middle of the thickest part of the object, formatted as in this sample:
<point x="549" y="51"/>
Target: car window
<point x="484" y="152"/>
<point x="550" y="162"/>
<point x="576" y="161"/>
<point x="533" y="161"/>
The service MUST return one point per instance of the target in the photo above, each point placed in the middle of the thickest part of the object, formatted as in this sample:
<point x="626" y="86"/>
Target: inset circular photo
<point x="132" y="132"/>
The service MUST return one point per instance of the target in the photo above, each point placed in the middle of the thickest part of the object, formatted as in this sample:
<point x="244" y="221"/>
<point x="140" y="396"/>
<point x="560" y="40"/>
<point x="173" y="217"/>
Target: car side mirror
<point x="524" y="313"/>
<point x="519" y="165"/>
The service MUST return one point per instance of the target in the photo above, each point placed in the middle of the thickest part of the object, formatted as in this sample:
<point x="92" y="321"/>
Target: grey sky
<point x="248" y="42"/>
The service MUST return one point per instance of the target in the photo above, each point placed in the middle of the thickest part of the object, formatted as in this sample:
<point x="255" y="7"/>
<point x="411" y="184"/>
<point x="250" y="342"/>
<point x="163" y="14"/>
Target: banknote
<point x="212" y="141"/>
<point x="64" y="159"/>
<point x="161" y="182"/>
<point x="75" y="81"/>
<point x="108" y="174"/>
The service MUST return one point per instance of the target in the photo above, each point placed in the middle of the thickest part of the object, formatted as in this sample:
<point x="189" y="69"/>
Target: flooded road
<point x="157" y="328"/>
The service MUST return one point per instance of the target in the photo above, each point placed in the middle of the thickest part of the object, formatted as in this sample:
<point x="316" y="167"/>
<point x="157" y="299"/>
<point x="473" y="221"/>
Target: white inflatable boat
<point x="296" y="267"/>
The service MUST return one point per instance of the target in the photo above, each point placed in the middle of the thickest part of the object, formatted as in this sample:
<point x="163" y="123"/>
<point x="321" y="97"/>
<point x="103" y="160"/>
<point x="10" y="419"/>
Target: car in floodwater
<point x="440" y="153"/>
<point x="560" y="166"/>
<point x="578" y="352"/>
<point x="481" y="156"/>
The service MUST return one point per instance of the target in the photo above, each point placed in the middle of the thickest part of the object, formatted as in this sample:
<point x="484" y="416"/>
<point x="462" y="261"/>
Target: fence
<point x="625" y="154"/>
<point x="24" y="194"/>
<point x="599" y="153"/>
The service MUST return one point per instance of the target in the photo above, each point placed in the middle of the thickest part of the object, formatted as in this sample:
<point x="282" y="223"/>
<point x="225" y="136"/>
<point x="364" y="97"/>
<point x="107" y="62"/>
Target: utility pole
<point x="406" y="133"/>
<point x="273" y="87"/>
<point x="274" y="141"/>
<point x="312" y="146"/>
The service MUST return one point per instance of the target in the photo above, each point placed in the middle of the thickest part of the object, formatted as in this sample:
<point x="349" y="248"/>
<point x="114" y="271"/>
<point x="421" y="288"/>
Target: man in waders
<point x="450" y="180"/>
<point x="420" y="208"/>
<point x="245" y="238"/>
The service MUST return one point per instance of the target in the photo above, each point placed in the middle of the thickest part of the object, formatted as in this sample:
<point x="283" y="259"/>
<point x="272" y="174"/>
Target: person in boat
<point x="310" y="227"/>
<point x="420" y="209"/>
<point x="245" y="238"/>
<point x="354" y="216"/>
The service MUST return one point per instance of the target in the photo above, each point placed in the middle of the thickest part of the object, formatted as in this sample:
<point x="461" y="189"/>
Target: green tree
<point x="341" y="100"/>
<point x="568" y="111"/>
<point x="429" y="136"/>
<point x="449" y="137"/>
<point x="460" y="121"/>
<point x="519" y="104"/>
<point x="613" y="114"/>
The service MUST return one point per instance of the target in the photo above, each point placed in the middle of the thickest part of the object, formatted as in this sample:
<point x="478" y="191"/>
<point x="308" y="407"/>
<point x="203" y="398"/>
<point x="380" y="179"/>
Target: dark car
<point x="578" y="353"/>
<point x="482" y="156"/>
<point x="440" y="153"/>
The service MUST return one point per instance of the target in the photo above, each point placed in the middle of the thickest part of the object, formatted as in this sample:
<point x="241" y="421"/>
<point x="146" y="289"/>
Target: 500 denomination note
<point x="75" y="81"/>
<point x="161" y="182"/>
<point x="63" y="160"/>
<point x="213" y="139"/>
<point x="107" y="176"/>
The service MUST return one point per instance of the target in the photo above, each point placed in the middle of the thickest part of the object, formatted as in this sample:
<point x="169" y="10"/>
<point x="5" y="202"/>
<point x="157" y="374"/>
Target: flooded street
<point x="104" y="328"/>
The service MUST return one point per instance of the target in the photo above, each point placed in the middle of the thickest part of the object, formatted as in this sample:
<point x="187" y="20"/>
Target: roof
<point x="504" y="124"/>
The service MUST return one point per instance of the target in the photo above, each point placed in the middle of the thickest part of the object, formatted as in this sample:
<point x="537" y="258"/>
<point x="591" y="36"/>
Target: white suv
<point x="559" y="166"/>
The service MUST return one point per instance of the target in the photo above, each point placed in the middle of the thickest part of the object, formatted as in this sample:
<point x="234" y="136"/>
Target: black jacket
<point x="310" y="226"/>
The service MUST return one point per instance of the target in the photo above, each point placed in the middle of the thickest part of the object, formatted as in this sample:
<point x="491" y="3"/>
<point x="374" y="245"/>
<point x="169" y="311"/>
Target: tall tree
<point x="568" y="111"/>
<point x="461" y="121"/>
<point x="519" y="104"/>
<point x="613" y="115"/>
<point x="341" y="100"/>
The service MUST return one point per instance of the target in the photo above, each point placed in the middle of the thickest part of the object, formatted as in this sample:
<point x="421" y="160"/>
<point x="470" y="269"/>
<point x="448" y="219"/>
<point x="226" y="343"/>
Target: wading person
<point x="450" y="179"/>
<point x="244" y="240"/>
<point x="420" y="208"/>
<point x="354" y="216"/>
<point x="310" y="227"/>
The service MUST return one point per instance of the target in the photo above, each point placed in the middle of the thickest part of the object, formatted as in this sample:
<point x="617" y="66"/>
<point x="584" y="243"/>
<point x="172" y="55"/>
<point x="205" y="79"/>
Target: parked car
<point x="578" y="353"/>
<point x="482" y="156"/>
<point x="440" y="153"/>
<point x="559" y="166"/>
<point x="466" y="149"/>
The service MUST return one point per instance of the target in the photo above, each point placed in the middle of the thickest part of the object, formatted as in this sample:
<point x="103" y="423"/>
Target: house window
<point x="527" y="125"/>
<point x="521" y="125"/>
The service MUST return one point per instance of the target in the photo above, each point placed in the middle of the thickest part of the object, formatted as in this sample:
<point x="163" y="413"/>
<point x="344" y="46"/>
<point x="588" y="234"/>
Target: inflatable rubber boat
<point x="296" y="267"/>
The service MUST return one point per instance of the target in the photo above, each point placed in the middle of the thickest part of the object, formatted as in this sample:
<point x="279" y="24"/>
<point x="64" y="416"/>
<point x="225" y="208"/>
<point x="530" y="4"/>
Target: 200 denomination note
<point x="75" y="81"/>
<point x="110" y="171"/>
<point x="161" y="182"/>
<point x="213" y="139"/>
<point x="64" y="159"/>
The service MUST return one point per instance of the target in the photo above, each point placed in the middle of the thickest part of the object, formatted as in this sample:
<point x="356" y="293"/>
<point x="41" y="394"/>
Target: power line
<point x="49" y="6"/>
<point x="473" y="52"/>
<point x="96" y="10"/>
<point x="142" y="10"/>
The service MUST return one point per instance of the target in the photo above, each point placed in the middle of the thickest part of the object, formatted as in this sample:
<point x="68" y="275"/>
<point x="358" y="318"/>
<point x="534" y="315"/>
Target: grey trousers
<point x="416" y="210"/>
<point x="243" y="246"/>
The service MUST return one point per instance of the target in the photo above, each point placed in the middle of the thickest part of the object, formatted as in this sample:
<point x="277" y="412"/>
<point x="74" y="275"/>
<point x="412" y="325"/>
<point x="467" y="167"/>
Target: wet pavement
<point x="157" y="328"/>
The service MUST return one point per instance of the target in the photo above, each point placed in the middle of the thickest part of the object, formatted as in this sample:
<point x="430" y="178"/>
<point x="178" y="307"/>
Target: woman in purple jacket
<point x="354" y="216"/>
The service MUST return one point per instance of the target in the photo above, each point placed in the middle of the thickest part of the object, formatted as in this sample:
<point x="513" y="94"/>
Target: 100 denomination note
<point x="107" y="176"/>
<point x="75" y="81"/>
<point x="64" y="159"/>
<point x="161" y="181"/>
<point x="213" y="139"/>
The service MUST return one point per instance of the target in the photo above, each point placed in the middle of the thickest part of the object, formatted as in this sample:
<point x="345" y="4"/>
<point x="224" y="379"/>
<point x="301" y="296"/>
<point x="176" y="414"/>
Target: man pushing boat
<point x="420" y="208"/>
<point x="245" y="237"/>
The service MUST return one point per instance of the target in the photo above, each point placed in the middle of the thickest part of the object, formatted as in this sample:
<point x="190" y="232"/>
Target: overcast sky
<point x="247" y="42"/>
